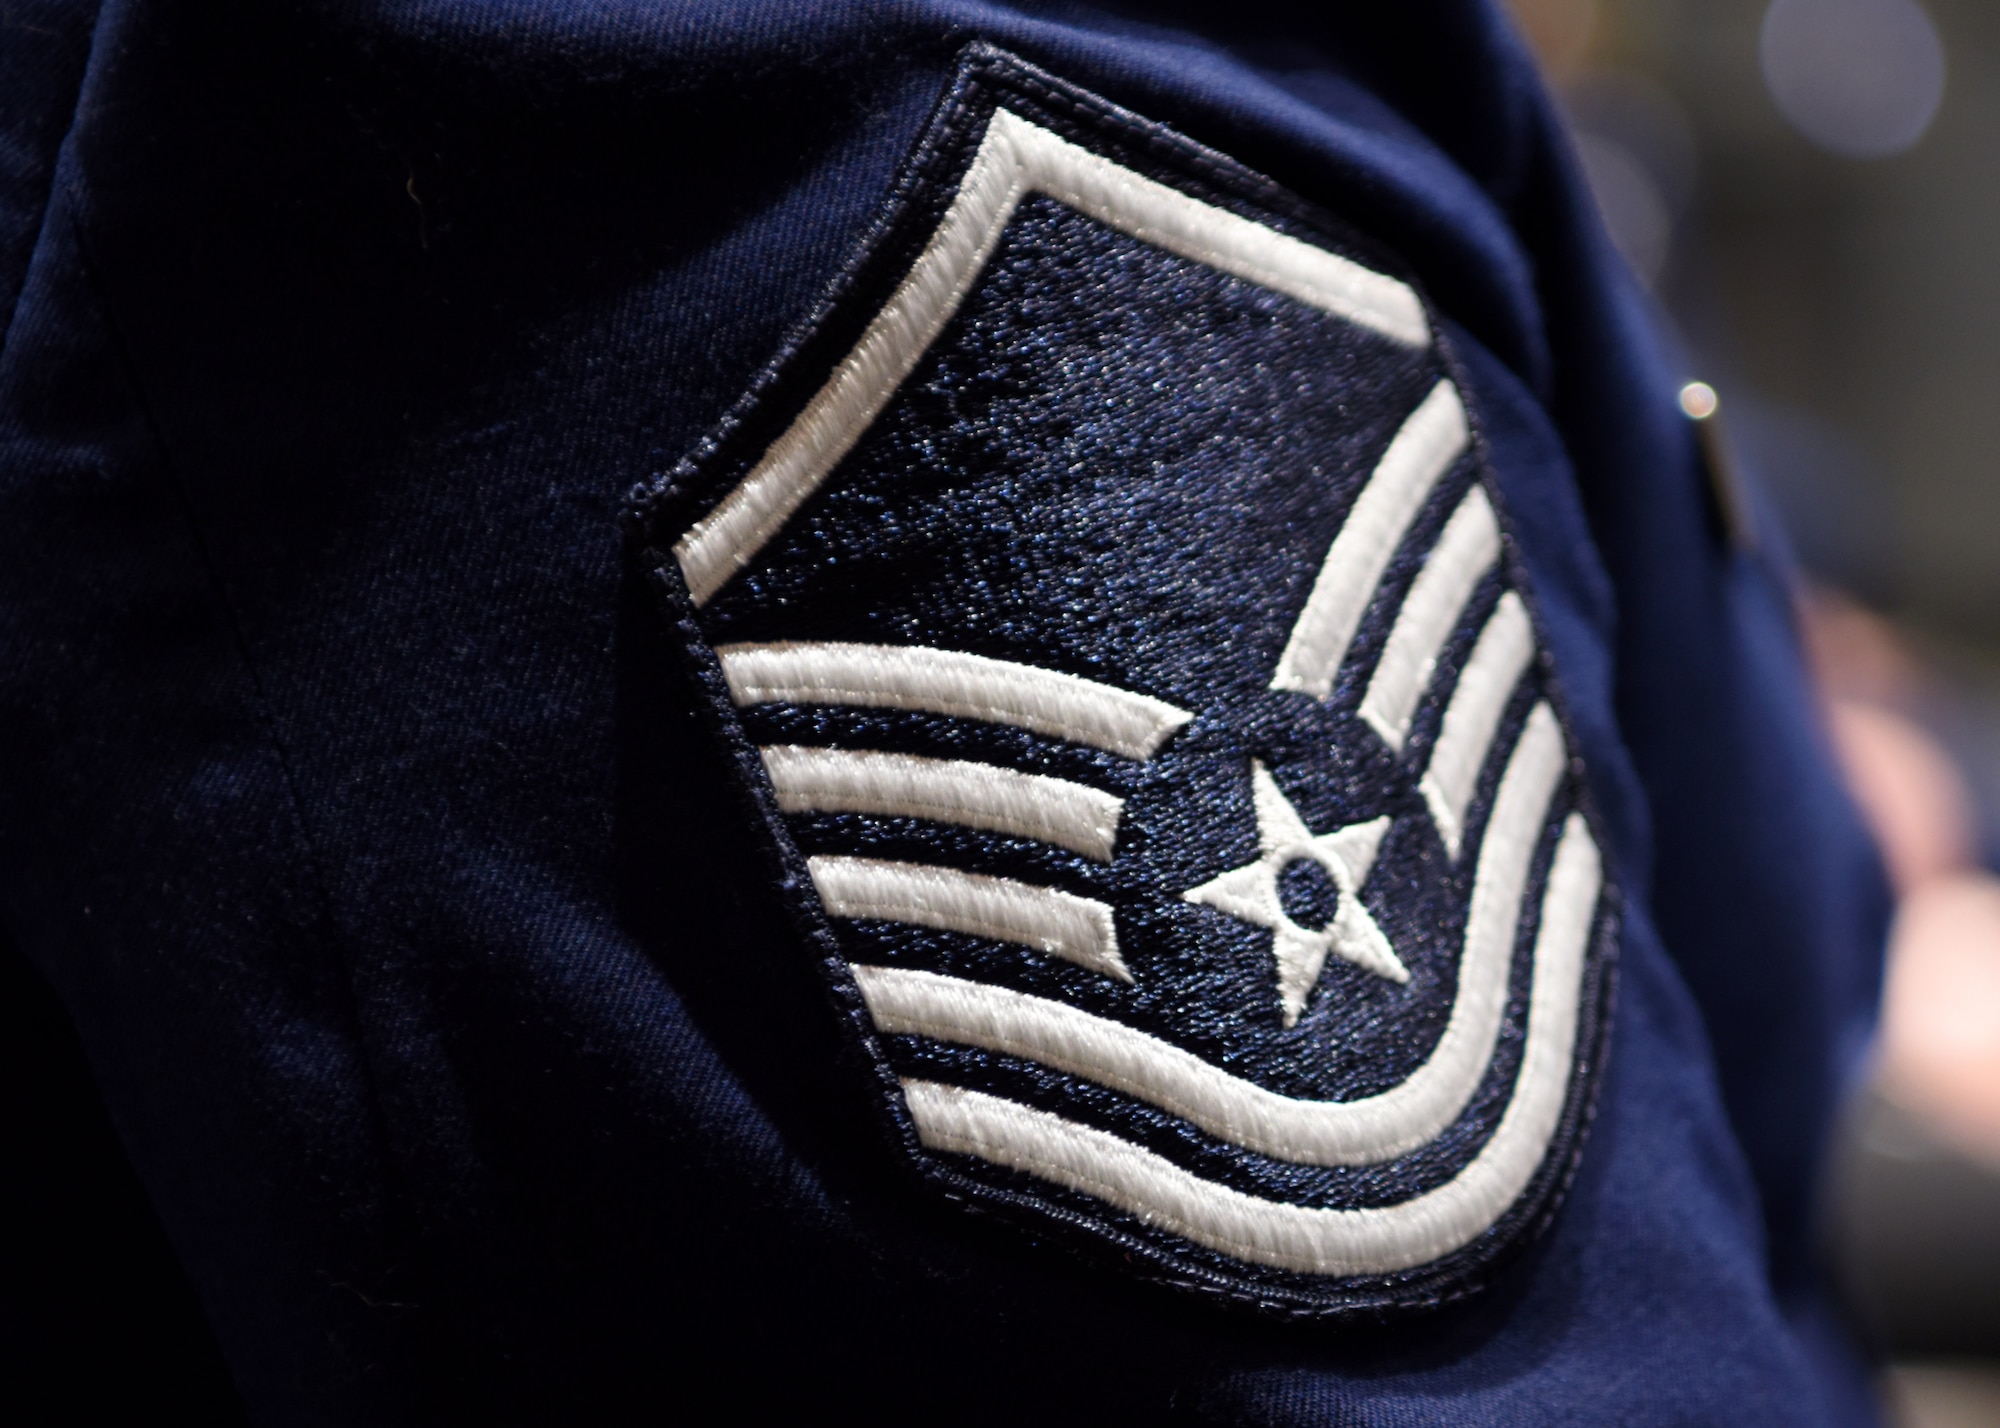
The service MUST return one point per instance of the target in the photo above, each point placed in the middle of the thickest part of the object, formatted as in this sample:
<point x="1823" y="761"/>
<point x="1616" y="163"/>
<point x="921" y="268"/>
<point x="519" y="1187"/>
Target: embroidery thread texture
<point x="1107" y="604"/>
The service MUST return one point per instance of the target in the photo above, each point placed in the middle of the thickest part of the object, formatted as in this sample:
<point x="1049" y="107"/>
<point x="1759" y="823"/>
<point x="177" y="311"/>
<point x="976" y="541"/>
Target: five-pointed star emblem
<point x="1251" y="893"/>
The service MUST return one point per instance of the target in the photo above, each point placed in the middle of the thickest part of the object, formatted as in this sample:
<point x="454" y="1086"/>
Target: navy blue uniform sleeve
<point x="441" y="848"/>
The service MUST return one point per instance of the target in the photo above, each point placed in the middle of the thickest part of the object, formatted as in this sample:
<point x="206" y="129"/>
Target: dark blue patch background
<point x="1123" y="464"/>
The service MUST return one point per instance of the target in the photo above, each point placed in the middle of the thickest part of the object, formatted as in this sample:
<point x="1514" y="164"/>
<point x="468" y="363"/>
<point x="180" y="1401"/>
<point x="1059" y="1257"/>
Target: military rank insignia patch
<point x="1113" y="617"/>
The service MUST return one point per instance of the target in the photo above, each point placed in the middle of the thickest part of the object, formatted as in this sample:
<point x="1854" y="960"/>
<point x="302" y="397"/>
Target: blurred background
<point x="1811" y="188"/>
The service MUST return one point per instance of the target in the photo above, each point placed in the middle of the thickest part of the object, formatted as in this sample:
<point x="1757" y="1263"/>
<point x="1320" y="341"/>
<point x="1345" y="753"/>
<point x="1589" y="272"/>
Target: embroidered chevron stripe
<point x="1162" y="759"/>
<point x="1015" y="159"/>
<point x="1359" y="1132"/>
<point x="1422" y="451"/>
<point x="1288" y="1236"/>
<point x="1485" y="685"/>
<point x="1076" y="929"/>
<point x="961" y="686"/>
<point x="976" y="795"/>
<point x="961" y="791"/>
<point x="1468" y="549"/>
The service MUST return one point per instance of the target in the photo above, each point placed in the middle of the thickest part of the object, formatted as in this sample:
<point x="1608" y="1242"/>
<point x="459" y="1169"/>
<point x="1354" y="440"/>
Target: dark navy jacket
<point x="358" y="804"/>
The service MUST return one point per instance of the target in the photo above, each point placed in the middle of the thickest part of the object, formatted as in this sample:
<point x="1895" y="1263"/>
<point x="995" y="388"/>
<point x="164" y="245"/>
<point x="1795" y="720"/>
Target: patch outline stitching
<point x="1456" y="1275"/>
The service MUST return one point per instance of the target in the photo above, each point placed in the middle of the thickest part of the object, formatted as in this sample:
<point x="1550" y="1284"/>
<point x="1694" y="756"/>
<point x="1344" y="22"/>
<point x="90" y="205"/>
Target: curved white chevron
<point x="1430" y="439"/>
<point x="1076" y="929"/>
<point x="1501" y="655"/>
<point x="1463" y="554"/>
<point x="1308" y="1132"/>
<point x="1375" y="1240"/>
<point x="973" y="795"/>
<point x="1014" y="159"/>
<point x="955" y="684"/>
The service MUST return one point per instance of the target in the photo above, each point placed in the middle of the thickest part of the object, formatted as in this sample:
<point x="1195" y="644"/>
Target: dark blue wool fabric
<point x="357" y="809"/>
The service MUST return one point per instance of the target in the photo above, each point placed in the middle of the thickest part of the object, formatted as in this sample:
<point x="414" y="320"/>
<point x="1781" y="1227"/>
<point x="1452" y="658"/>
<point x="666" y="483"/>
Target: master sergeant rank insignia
<point x="1150" y="713"/>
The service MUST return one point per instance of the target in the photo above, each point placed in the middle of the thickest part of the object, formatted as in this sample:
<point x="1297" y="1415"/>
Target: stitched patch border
<point x="723" y="509"/>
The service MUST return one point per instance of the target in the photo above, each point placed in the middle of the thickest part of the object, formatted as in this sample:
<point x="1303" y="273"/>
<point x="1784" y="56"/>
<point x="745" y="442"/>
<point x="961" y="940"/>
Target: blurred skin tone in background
<point x="1915" y="1189"/>
<point x="1811" y="188"/>
<point x="1940" y="1045"/>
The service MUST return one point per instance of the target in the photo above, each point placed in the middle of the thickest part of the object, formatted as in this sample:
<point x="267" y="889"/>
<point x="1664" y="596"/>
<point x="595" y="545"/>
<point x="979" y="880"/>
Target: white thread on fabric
<point x="1423" y="449"/>
<point x="962" y="686"/>
<point x="1361" y="1132"/>
<point x="974" y="795"/>
<point x="792" y="468"/>
<point x="1250" y="893"/>
<point x="1463" y="554"/>
<point x="1498" y="659"/>
<point x="1166" y="218"/>
<point x="1374" y="1240"/>
<point x="1076" y="929"/>
<point x="1014" y="158"/>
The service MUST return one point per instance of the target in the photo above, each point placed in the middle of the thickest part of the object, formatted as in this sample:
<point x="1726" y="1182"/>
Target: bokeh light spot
<point x="1860" y="78"/>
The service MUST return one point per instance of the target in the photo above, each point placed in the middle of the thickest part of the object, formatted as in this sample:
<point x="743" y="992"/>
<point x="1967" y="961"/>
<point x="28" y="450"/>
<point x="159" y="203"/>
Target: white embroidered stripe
<point x="1166" y="218"/>
<point x="1076" y="929"/>
<point x="1485" y="685"/>
<point x="1379" y="1240"/>
<point x="1457" y="563"/>
<point x="1015" y="157"/>
<point x="963" y="686"/>
<point x="1425" y="447"/>
<point x="1362" y="1132"/>
<point x="1054" y="810"/>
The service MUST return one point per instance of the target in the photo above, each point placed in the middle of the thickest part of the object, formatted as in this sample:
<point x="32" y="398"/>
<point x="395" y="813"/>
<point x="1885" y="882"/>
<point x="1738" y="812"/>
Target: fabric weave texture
<point x="357" y="811"/>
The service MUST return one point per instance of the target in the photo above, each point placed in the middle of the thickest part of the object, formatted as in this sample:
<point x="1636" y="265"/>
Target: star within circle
<point x="1250" y="893"/>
